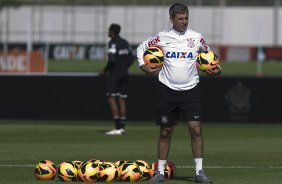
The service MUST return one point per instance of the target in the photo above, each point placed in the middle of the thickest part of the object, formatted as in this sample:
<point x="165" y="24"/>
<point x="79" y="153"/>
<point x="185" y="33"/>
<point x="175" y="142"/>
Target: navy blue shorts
<point x="172" y="104"/>
<point x="117" y="84"/>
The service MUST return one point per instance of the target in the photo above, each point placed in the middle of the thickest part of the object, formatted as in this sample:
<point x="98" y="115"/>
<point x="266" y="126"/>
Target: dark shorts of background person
<point x="172" y="104"/>
<point x="117" y="83"/>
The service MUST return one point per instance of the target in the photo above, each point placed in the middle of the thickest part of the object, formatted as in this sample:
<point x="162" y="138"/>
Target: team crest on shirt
<point x="191" y="42"/>
<point x="164" y="119"/>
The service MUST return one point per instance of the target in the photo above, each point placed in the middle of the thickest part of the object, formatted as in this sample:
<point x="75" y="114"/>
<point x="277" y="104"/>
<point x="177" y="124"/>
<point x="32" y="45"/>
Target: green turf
<point x="234" y="153"/>
<point x="269" y="68"/>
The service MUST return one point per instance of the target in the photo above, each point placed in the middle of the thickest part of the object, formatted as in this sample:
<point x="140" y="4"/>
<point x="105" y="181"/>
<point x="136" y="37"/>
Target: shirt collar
<point x="178" y="33"/>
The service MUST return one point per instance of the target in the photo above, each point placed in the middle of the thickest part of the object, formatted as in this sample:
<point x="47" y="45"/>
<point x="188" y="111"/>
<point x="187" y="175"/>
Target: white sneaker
<point x="114" y="132"/>
<point x="122" y="130"/>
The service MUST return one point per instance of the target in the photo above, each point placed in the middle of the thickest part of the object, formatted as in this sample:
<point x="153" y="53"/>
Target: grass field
<point x="269" y="68"/>
<point x="234" y="153"/>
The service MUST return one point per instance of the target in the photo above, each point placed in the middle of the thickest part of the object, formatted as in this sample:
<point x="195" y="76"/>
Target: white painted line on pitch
<point x="276" y="167"/>
<point x="178" y="167"/>
<point x="230" y="167"/>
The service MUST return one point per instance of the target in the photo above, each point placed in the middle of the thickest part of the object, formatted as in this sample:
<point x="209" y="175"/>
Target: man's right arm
<point x="111" y="53"/>
<point x="147" y="68"/>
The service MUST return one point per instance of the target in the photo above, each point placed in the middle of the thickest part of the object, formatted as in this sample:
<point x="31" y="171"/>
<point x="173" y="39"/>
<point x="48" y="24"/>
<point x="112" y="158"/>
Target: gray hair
<point x="177" y="8"/>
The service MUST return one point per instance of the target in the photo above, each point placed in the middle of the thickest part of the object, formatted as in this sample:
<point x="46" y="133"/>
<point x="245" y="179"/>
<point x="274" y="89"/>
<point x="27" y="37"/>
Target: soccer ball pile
<point x="207" y="60"/>
<point x="96" y="170"/>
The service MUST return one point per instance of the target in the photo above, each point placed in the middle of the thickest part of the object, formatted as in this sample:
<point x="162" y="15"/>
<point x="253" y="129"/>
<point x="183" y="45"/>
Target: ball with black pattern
<point x="67" y="171"/>
<point x="89" y="172"/>
<point x="45" y="170"/>
<point x="130" y="171"/>
<point x="153" y="56"/>
<point x="206" y="60"/>
<point x="109" y="172"/>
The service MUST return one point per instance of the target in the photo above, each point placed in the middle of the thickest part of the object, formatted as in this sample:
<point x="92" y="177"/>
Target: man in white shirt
<point x="179" y="86"/>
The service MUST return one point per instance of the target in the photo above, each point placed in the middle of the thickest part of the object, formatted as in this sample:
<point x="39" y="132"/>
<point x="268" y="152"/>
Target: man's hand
<point x="151" y="69"/>
<point x="213" y="71"/>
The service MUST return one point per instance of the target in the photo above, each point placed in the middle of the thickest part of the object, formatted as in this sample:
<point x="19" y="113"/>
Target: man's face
<point x="180" y="22"/>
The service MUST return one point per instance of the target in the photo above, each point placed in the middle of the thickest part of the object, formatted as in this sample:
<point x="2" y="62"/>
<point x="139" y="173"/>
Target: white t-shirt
<point x="179" y="71"/>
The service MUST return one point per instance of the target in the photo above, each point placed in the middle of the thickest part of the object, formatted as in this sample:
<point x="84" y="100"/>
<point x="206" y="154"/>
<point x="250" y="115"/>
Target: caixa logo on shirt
<point x="179" y="55"/>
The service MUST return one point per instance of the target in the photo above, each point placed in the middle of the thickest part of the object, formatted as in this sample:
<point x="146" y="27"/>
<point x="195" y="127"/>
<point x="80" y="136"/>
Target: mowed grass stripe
<point x="235" y="153"/>
<point x="269" y="68"/>
<point x="178" y="167"/>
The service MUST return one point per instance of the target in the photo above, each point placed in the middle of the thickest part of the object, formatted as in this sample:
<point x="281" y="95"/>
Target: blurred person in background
<point x="119" y="60"/>
<point x="179" y="89"/>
